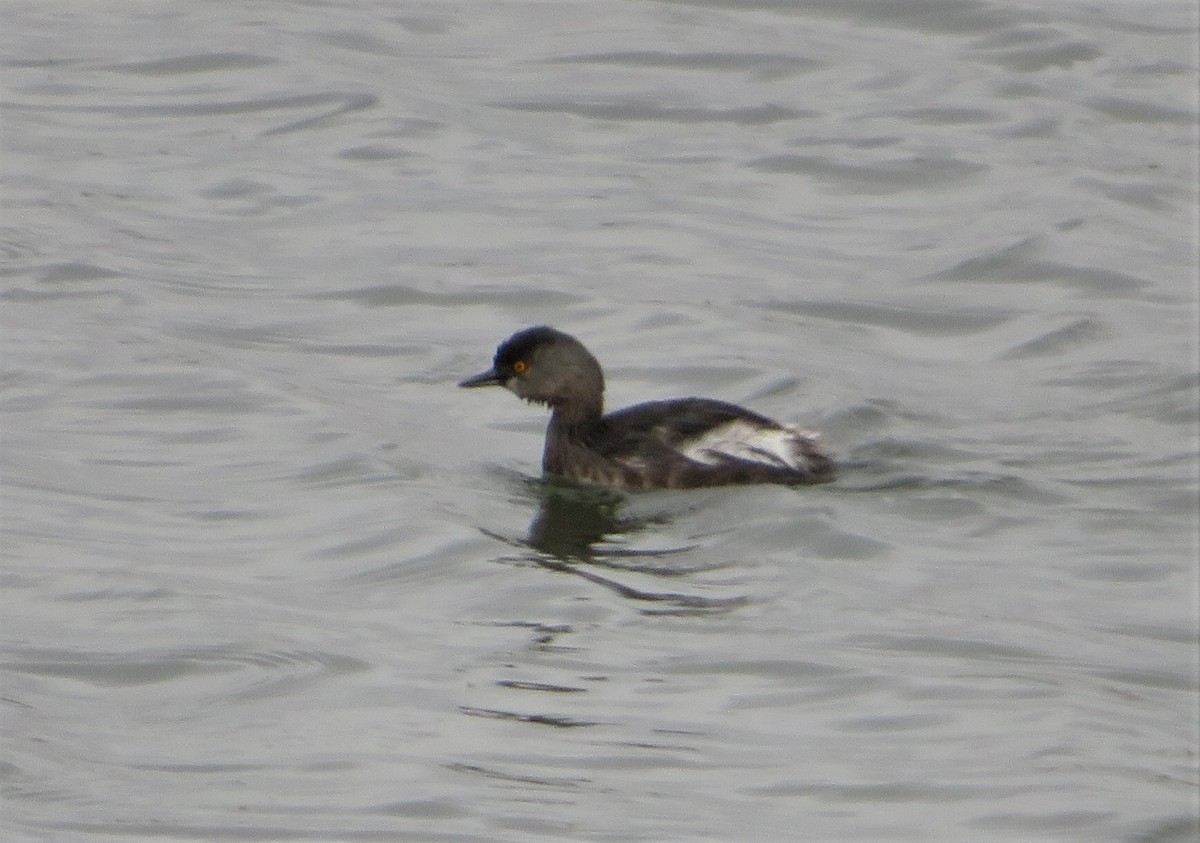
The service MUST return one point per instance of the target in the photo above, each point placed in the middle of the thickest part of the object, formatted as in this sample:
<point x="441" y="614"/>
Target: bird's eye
<point x="520" y="367"/>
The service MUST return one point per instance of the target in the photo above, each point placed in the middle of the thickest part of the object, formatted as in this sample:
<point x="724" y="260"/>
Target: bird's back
<point x="689" y="442"/>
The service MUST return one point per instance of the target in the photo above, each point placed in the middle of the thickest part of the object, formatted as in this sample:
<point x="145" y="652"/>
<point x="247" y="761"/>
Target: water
<point x="269" y="576"/>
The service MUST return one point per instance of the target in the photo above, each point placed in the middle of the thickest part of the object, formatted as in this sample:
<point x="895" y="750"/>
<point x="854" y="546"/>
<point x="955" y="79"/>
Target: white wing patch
<point x="739" y="439"/>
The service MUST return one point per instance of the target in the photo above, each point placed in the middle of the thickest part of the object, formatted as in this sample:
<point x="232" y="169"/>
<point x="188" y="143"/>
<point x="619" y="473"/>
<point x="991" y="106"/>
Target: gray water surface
<point x="269" y="576"/>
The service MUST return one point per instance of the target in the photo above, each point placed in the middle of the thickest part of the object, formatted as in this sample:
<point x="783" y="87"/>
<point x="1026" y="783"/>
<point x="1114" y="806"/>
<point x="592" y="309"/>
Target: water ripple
<point x="882" y="177"/>
<point x="263" y="673"/>
<point x="927" y="321"/>
<point x="327" y="106"/>
<point x="196" y="63"/>
<point x="766" y="65"/>
<point x="639" y="110"/>
<point x="1016" y="264"/>
<point x="556" y="720"/>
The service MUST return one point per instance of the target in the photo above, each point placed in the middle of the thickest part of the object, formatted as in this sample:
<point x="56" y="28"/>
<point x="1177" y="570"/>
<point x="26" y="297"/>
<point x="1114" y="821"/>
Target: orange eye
<point x="520" y="367"/>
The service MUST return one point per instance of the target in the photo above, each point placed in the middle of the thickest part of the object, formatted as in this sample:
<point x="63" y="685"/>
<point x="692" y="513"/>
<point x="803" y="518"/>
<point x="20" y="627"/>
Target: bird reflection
<point x="574" y="521"/>
<point x="580" y="530"/>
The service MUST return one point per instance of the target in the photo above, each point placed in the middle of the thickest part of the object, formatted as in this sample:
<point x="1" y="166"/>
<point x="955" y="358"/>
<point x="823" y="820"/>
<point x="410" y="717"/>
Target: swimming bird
<point x="673" y="444"/>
